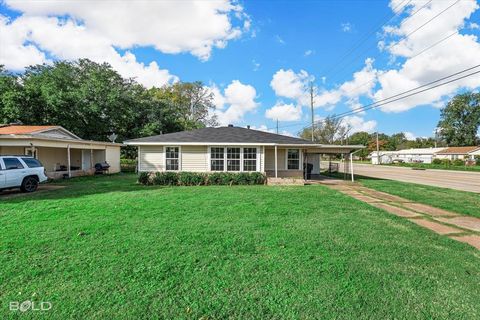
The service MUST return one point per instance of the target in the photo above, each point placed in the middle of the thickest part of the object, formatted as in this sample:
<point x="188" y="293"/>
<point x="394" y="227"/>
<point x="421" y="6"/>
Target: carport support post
<point x="351" y="166"/>
<point x="68" y="162"/>
<point x="276" y="171"/>
<point x="91" y="159"/>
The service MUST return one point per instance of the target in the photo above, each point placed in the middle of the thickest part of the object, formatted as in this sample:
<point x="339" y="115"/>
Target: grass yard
<point x="106" y="248"/>
<point x="463" y="202"/>
<point x="435" y="166"/>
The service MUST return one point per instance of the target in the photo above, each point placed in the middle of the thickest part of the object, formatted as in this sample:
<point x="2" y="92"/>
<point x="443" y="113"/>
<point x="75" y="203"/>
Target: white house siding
<point x="151" y="158"/>
<point x="194" y="158"/>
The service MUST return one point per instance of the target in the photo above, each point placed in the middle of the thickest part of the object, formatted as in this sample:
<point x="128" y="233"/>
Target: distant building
<point x="462" y="153"/>
<point x="421" y="155"/>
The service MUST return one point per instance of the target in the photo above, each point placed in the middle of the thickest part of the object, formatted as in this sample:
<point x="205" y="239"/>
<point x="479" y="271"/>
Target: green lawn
<point x="106" y="248"/>
<point x="435" y="166"/>
<point x="462" y="202"/>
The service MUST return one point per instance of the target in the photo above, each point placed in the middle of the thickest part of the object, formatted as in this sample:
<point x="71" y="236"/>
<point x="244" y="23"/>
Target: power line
<point x="373" y="31"/>
<point x="402" y="95"/>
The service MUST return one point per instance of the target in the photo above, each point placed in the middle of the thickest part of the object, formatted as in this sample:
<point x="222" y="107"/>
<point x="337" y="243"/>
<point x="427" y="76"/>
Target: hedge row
<point x="448" y="162"/>
<point x="201" y="179"/>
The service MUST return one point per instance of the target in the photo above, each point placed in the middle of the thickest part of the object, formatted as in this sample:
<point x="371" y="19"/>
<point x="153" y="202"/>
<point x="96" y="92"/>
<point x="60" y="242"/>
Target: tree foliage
<point x="460" y="120"/>
<point x="93" y="100"/>
<point x="330" y="130"/>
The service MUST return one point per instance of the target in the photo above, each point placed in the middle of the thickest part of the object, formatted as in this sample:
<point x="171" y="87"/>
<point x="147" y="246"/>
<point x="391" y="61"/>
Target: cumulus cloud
<point x="346" y="27"/>
<point x="362" y="84"/>
<point x="359" y="124"/>
<point x="459" y="52"/>
<point x="284" y="112"/>
<point x="288" y="84"/>
<point x="237" y="100"/>
<point x="72" y="30"/>
<point x="409" y="135"/>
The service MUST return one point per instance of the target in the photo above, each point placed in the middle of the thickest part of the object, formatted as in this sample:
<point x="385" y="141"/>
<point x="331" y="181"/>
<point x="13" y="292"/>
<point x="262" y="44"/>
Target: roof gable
<point x="38" y="131"/>
<point x="459" y="150"/>
<point x="221" y="135"/>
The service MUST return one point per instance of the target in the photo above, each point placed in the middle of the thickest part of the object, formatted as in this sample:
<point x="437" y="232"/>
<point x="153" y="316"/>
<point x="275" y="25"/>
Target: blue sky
<point x="239" y="48"/>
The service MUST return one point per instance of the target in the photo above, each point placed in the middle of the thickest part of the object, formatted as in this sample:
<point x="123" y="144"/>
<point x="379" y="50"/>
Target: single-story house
<point x="62" y="153"/>
<point x="232" y="149"/>
<point x="423" y="155"/>
<point x="462" y="153"/>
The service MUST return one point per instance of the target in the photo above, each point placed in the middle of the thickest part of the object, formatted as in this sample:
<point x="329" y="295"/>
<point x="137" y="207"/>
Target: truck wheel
<point x="29" y="184"/>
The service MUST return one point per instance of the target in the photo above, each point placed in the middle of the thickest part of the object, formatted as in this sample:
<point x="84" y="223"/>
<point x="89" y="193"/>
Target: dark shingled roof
<point x="222" y="135"/>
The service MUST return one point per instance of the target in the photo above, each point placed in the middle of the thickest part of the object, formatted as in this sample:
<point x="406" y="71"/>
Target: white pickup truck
<point x="22" y="172"/>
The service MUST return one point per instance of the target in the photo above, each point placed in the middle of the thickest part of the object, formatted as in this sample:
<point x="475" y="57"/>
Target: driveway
<point x="15" y="193"/>
<point x="460" y="180"/>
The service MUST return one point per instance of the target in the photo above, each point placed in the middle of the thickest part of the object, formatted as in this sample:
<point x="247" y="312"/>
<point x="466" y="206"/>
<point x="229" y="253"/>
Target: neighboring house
<point x="232" y="149"/>
<point x="423" y="155"/>
<point x="462" y="153"/>
<point x="61" y="152"/>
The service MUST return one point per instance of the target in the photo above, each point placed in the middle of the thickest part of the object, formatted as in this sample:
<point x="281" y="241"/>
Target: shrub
<point x="437" y="161"/>
<point x="197" y="179"/>
<point x="191" y="178"/>
<point x="458" y="162"/>
<point x="446" y="162"/>
<point x="477" y="160"/>
<point x="144" y="178"/>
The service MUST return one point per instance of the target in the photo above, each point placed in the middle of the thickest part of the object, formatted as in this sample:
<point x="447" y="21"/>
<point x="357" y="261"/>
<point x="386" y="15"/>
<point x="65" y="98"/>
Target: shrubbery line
<point x="170" y="178"/>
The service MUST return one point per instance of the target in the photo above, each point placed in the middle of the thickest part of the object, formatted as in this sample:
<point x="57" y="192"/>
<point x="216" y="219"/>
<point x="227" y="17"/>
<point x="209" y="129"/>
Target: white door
<point x="86" y="159"/>
<point x="14" y="172"/>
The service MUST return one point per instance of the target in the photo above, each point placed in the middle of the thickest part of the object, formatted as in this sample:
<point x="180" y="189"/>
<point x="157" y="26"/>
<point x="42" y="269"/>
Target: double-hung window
<point x="217" y="160"/>
<point x="293" y="159"/>
<point x="172" y="158"/>
<point x="233" y="159"/>
<point x="249" y="159"/>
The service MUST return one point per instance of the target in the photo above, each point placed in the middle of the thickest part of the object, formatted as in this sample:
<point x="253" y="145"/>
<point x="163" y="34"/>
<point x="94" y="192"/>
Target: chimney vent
<point x="230" y="125"/>
<point x="248" y="126"/>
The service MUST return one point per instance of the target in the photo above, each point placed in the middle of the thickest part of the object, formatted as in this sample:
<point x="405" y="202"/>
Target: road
<point x="460" y="180"/>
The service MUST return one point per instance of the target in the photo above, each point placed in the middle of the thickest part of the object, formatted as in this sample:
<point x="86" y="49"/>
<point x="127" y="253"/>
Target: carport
<point x="313" y="156"/>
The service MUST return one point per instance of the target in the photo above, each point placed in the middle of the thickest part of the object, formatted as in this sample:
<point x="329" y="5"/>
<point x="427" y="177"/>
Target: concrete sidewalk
<point x="458" y="227"/>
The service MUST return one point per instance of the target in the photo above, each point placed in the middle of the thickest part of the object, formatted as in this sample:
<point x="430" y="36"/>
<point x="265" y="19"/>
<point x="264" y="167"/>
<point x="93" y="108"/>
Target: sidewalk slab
<point x="436" y="227"/>
<point x="472" y="240"/>
<point x="429" y="210"/>
<point x="470" y="223"/>
<point x="395" y="210"/>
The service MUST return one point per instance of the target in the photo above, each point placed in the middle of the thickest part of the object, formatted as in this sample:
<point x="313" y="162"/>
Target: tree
<point x="11" y="97"/>
<point x="329" y="131"/>
<point x="361" y="138"/>
<point x="460" y="120"/>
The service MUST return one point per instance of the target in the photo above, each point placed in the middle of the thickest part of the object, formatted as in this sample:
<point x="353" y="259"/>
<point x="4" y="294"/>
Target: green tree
<point x="11" y="97"/>
<point x="460" y="120"/>
<point x="329" y="131"/>
<point x="361" y="138"/>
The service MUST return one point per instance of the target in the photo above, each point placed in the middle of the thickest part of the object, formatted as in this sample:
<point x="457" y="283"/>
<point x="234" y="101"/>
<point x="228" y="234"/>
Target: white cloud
<point x="409" y="135"/>
<point x="256" y="65"/>
<point x="308" y="53"/>
<point x="284" y="112"/>
<point x="288" y="84"/>
<point x="459" y="52"/>
<point x="359" y="124"/>
<point x="346" y="27"/>
<point x="237" y="100"/>
<point x="72" y="30"/>
<point x="169" y="26"/>
<point x="362" y="84"/>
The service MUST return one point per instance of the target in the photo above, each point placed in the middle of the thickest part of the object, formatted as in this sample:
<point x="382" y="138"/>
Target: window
<point x="233" y="159"/>
<point x="32" y="163"/>
<point x="216" y="159"/>
<point x="12" y="163"/>
<point x="171" y="158"/>
<point x="249" y="159"/>
<point x="293" y="159"/>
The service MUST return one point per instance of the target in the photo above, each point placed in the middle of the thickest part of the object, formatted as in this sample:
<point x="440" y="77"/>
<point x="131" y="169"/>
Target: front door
<point x="86" y="159"/>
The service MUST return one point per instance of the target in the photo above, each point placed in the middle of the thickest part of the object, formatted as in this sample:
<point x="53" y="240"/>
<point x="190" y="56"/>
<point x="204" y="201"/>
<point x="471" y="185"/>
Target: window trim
<point x="300" y="159"/>
<point x="179" y="158"/>
<point x="225" y="164"/>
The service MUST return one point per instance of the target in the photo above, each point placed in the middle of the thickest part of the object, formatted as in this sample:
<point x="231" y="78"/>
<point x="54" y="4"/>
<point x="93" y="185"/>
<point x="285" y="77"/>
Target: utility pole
<point x="436" y="136"/>
<point x="378" y="151"/>
<point x="311" y="106"/>
<point x="277" y="126"/>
